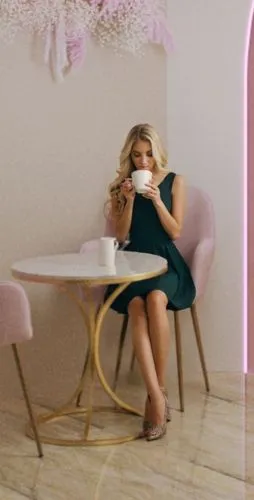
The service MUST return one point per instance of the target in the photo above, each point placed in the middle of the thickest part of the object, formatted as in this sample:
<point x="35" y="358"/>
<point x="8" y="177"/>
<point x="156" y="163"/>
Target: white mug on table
<point x="140" y="178"/>
<point x="107" y="251"/>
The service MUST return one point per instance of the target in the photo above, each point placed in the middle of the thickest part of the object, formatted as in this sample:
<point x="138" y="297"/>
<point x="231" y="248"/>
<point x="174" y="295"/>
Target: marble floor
<point x="207" y="454"/>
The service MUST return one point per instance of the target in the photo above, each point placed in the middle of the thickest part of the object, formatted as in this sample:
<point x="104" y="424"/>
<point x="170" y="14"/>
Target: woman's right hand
<point x="127" y="189"/>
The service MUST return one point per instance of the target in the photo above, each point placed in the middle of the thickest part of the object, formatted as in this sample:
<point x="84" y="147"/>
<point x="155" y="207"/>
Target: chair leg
<point x="120" y="349"/>
<point x="27" y="400"/>
<point x="179" y="358"/>
<point x="196" y="327"/>
<point x="133" y="357"/>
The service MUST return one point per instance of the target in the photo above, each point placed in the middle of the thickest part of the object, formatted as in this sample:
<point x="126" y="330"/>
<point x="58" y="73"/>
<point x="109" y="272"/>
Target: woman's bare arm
<point x="123" y="222"/>
<point x="173" y="223"/>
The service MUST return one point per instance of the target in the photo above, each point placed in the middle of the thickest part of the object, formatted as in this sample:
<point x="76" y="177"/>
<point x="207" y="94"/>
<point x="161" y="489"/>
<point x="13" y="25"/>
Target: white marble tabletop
<point x="76" y="267"/>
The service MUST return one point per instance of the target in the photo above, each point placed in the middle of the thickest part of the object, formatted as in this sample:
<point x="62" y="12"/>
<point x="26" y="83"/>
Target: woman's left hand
<point x="153" y="192"/>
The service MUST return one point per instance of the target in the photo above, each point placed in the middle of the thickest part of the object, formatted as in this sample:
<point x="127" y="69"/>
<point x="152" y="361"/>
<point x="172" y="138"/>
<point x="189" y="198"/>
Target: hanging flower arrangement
<point x="67" y="25"/>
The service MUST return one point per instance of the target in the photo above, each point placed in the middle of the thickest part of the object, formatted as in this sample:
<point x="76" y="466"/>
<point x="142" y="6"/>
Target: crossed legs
<point x="150" y="337"/>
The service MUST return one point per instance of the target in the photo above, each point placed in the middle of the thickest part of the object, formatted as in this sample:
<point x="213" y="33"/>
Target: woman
<point x="153" y="221"/>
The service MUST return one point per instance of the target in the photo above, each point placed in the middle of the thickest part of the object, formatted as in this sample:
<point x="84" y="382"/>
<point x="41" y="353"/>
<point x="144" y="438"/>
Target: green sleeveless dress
<point x="147" y="235"/>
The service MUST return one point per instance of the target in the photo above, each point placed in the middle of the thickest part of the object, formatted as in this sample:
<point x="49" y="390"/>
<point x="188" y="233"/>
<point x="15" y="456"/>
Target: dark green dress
<point x="147" y="235"/>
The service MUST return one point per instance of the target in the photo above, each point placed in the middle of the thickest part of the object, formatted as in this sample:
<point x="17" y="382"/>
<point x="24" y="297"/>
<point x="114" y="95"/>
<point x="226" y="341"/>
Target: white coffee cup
<point x="140" y="178"/>
<point x="107" y="251"/>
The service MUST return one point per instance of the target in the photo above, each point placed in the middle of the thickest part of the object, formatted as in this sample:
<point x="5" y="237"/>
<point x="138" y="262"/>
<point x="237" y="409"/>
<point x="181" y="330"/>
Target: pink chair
<point x="15" y="327"/>
<point x="196" y="244"/>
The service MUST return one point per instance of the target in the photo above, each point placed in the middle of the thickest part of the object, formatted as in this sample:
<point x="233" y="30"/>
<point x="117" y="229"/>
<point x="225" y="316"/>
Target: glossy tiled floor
<point x="208" y="453"/>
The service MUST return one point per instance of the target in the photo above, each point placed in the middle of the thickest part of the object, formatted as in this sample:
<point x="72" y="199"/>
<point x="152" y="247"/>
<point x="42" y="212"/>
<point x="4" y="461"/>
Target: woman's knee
<point x="155" y="300"/>
<point x="136" y="306"/>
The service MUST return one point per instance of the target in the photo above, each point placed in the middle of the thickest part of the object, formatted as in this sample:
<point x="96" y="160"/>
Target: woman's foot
<point x="158" y="427"/>
<point x="146" y="422"/>
<point x="168" y="409"/>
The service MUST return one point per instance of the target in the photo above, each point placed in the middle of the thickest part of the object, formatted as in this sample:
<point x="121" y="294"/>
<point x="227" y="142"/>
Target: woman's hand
<point x="127" y="189"/>
<point x="153" y="192"/>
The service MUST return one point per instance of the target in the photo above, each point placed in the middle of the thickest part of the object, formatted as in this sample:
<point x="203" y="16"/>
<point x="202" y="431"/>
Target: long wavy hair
<point x="143" y="132"/>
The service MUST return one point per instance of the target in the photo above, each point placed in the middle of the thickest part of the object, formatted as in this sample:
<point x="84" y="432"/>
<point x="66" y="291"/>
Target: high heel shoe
<point x="168" y="409"/>
<point x="146" y="423"/>
<point x="157" y="431"/>
<point x="145" y="428"/>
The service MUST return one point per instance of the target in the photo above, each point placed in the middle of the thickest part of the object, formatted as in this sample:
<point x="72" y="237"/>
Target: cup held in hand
<point x="140" y="178"/>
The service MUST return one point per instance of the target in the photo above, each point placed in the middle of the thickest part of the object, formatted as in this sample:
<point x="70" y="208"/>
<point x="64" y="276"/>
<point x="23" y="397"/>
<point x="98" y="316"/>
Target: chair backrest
<point x="197" y="241"/>
<point x="15" y="314"/>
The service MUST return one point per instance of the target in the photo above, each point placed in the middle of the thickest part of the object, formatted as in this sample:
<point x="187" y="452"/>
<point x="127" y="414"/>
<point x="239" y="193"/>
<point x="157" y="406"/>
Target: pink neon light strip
<point x="245" y="194"/>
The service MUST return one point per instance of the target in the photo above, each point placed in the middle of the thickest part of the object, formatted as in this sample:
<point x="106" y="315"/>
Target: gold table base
<point x="83" y="441"/>
<point x="93" y="318"/>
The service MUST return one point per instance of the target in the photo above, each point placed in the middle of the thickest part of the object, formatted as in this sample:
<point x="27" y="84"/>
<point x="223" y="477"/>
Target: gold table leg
<point x="93" y="321"/>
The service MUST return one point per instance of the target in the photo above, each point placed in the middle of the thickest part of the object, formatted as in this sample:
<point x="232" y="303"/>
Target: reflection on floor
<point x="208" y="453"/>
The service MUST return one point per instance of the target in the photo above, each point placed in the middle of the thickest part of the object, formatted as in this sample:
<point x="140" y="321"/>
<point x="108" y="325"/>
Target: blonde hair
<point x="143" y="132"/>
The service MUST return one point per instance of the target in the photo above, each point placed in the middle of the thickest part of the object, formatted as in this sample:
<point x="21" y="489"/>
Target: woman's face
<point x="142" y="155"/>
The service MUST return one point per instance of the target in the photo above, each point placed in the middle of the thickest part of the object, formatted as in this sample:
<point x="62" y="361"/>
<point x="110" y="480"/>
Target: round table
<point x="83" y="270"/>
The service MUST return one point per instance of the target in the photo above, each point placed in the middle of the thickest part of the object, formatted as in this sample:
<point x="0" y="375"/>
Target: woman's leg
<point x="143" y="351"/>
<point x="156" y="304"/>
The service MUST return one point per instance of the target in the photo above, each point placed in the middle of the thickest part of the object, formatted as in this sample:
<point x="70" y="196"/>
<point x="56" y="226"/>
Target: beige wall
<point x="205" y="140"/>
<point x="59" y="149"/>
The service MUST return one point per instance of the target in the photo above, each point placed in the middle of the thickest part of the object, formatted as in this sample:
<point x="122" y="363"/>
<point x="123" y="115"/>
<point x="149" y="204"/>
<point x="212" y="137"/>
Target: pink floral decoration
<point x="76" y="49"/>
<point x="125" y="25"/>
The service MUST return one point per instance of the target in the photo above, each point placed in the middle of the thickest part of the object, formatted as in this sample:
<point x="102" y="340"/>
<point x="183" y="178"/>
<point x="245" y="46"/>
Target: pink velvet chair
<point x="15" y="327"/>
<point x="196" y="244"/>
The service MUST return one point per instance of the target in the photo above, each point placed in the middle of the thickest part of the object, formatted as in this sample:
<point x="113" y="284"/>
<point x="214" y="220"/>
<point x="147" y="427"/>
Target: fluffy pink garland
<point x="68" y="24"/>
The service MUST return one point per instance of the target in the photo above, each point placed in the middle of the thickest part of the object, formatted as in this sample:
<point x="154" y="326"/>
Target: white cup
<point x="140" y="178"/>
<point x="107" y="251"/>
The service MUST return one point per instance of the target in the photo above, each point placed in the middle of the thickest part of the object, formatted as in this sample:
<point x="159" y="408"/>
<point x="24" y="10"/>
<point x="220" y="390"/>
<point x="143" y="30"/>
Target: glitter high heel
<point x="168" y="409"/>
<point x="157" y="431"/>
<point x="146" y="423"/>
